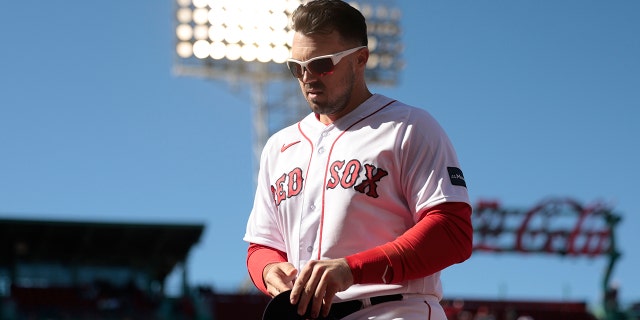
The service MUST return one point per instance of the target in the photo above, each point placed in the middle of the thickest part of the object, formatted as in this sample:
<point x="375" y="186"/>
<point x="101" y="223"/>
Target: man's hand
<point x="279" y="277"/>
<point x="318" y="283"/>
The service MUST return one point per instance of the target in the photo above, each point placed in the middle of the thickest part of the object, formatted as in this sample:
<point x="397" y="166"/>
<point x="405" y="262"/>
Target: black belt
<point x="342" y="309"/>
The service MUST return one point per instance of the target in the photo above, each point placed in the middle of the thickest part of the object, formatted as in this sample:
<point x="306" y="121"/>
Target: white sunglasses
<point x="319" y="66"/>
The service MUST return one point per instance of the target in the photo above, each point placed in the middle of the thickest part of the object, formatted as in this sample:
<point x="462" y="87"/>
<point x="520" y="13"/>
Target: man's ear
<point x="363" y="57"/>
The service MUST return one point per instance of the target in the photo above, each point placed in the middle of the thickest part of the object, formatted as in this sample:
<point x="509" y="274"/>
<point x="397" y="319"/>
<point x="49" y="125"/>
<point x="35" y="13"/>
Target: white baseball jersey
<point x="329" y="191"/>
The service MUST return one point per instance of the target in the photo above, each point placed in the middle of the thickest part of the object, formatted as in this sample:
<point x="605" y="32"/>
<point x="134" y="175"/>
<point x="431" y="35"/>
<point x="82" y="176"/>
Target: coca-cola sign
<point x="557" y="226"/>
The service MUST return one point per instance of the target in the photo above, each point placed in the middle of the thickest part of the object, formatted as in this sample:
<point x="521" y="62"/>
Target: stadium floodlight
<point x="238" y="39"/>
<point x="251" y="39"/>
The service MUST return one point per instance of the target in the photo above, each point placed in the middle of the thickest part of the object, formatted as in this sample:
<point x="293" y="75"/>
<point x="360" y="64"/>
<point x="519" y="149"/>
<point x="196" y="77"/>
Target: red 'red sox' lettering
<point x="342" y="173"/>
<point x="370" y="182"/>
<point x="287" y="186"/>
<point x="348" y="176"/>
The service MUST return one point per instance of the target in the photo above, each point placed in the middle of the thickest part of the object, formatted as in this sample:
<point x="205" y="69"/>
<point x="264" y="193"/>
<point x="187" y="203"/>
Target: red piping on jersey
<point x="429" y="307"/>
<point x="311" y="144"/>
<point x="326" y="170"/>
<point x="308" y="165"/>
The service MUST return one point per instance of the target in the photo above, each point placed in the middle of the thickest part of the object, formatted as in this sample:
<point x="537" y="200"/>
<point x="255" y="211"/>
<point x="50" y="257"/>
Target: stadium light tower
<point x="248" y="41"/>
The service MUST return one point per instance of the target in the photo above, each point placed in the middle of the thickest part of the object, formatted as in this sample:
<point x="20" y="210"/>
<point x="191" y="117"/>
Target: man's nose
<point x="307" y="76"/>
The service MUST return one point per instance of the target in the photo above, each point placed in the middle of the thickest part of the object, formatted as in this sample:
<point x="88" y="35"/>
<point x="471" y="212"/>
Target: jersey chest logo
<point x="363" y="178"/>
<point x="347" y="175"/>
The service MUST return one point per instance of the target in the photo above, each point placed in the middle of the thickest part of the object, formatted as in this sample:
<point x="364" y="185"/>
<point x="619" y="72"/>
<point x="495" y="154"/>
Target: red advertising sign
<point x="557" y="226"/>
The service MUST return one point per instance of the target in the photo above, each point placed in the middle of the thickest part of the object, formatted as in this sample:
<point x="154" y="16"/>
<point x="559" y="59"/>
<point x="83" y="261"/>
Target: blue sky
<point x="540" y="98"/>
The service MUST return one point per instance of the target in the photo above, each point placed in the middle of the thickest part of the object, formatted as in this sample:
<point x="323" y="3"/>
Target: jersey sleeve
<point x="431" y="171"/>
<point x="262" y="226"/>
<point x="258" y="257"/>
<point x="413" y="255"/>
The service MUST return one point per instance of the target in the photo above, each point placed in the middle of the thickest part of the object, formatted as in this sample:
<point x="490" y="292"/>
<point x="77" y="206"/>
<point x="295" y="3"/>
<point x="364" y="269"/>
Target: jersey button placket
<point x="312" y="207"/>
<point x="307" y="243"/>
<point x="305" y="248"/>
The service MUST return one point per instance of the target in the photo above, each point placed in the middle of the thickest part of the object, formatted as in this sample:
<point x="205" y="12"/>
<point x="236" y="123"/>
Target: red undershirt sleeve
<point x="258" y="257"/>
<point x="442" y="237"/>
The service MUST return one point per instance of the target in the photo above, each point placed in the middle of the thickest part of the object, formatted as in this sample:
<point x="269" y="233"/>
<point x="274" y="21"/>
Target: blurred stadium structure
<point x="94" y="270"/>
<point x="89" y="270"/>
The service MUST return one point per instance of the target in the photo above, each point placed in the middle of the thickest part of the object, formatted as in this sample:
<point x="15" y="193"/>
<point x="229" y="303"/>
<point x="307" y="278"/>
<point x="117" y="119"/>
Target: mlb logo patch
<point x="456" y="177"/>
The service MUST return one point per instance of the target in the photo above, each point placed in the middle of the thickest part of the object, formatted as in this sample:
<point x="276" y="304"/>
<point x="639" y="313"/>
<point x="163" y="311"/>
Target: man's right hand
<point x="279" y="277"/>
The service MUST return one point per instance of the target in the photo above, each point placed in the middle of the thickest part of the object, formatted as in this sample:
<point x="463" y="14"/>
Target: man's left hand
<point x="318" y="283"/>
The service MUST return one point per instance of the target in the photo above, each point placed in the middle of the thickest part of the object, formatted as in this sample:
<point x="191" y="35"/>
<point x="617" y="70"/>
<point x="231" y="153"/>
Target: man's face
<point x="326" y="94"/>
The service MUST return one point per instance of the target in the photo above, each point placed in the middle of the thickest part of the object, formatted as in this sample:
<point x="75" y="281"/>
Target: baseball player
<point x="362" y="203"/>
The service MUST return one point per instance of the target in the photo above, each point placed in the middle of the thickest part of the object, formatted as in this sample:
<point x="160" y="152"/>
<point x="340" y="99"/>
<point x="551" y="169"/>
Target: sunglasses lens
<point x="321" y="67"/>
<point x="295" y="68"/>
<point x="318" y="67"/>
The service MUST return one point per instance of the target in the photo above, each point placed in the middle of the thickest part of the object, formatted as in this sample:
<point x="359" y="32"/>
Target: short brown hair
<point x="326" y="16"/>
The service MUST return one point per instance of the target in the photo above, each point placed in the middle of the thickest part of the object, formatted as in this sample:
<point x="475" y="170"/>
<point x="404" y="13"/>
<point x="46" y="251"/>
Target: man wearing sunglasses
<point x="361" y="204"/>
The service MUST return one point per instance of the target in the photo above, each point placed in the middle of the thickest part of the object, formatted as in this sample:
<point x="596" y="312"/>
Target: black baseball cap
<point x="280" y="308"/>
